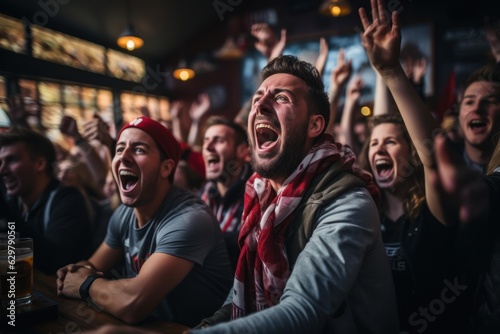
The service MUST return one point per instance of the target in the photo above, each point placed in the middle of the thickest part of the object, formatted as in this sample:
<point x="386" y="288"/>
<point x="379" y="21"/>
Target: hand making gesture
<point x="342" y="71"/>
<point x="381" y="38"/>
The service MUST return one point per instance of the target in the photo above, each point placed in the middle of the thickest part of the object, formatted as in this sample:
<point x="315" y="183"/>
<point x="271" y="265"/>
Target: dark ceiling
<point x="170" y="27"/>
<point x="165" y="25"/>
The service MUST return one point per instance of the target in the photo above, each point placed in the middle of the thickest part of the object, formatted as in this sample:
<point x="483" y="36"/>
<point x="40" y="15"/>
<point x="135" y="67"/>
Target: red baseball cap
<point x="161" y="135"/>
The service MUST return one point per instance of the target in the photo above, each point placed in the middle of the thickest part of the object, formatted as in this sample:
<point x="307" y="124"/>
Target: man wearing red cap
<point x="173" y="247"/>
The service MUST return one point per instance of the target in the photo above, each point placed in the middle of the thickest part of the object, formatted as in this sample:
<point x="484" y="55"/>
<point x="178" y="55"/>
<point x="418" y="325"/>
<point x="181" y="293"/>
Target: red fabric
<point x="263" y="269"/>
<point x="161" y="135"/>
<point x="448" y="97"/>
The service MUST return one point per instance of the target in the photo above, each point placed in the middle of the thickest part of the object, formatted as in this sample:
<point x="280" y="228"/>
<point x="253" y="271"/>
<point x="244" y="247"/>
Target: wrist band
<point x="85" y="287"/>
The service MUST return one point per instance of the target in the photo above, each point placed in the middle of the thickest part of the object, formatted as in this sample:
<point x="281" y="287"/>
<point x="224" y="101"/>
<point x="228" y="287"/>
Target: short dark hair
<point x="240" y="133"/>
<point x="317" y="99"/>
<point x="488" y="73"/>
<point x="37" y="144"/>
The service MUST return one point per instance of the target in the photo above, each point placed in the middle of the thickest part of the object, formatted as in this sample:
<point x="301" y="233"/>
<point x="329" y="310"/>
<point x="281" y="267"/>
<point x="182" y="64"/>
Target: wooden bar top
<point x="76" y="316"/>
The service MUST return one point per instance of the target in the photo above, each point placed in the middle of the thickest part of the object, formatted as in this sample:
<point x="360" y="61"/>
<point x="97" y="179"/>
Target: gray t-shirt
<point x="184" y="227"/>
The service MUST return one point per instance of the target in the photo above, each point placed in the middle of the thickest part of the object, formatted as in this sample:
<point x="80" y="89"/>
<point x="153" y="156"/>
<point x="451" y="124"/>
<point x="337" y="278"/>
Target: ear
<point x="316" y="126"/>
<point x="40" y="164"/>
<point x="243" y="152"/>
<point x="167" y="167"/>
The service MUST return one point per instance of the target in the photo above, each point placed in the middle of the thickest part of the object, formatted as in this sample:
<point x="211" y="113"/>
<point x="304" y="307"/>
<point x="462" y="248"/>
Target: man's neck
<point x="478" y="155"/>
<point x="145" y="212"/>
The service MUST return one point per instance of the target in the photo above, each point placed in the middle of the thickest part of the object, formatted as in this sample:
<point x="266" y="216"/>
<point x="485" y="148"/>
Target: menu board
<point x="124" y="66"/>
<point x="67" y="50"/>
<point x="11" y="34"/>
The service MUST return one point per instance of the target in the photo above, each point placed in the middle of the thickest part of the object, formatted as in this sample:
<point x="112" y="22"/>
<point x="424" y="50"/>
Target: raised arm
<point x="322" y="56"/>
<point x="382" y="42"/>
<point x="340" y="75"/>
<point x="197" y="110"/>
<point x="86" y="152"/>
<point x="346" y="135"/>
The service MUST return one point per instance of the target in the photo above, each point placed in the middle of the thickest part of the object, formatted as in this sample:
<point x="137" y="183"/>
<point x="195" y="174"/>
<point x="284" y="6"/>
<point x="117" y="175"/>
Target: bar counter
<point x="72" y="316"/>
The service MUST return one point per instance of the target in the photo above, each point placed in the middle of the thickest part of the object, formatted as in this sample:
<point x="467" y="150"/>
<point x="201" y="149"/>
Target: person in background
<point x="312" y="258"/>
<point x="48" y="212"/>
<point x="225" y="152"/>
<point x="177" y="266"/>
<point x="426" y="242"/>
<point x="492" y="31"/>
<point x="72" y="172"/>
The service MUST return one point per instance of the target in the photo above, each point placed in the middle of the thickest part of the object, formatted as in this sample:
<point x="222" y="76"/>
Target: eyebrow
<point x="274" y="92"/>
<point x="134" y="143"/>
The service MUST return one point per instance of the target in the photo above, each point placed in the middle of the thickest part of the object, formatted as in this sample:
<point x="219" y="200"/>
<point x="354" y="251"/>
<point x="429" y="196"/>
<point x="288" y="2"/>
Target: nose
<point x="124" y="157"/>
<point x="262" y="106"/>
<point x="208" y="145"/>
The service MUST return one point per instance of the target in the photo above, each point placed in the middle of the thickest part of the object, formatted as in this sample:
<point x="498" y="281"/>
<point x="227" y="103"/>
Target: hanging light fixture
<point x="183" y="72"/>
<point x="229" y="50"/>
<point x="129" y="39"/>
<point x="335" y="8"/>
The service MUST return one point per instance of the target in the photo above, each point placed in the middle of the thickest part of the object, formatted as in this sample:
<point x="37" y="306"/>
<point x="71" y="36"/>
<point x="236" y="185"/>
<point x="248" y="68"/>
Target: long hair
<point x="412" y="203"/>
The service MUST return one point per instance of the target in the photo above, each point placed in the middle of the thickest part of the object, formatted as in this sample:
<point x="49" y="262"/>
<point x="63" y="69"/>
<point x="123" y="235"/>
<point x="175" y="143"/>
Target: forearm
<point x="418" y="119"/>
<point x="334" y="98"/>
<point x="121" y="298"/>
<point x="381" y="103"/>
<point x="193" y="132"/>
<point x="346" y="124"/>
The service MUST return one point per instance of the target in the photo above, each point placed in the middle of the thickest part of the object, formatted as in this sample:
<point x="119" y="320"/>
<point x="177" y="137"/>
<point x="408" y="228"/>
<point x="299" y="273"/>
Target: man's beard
<point x="285" y="162"/>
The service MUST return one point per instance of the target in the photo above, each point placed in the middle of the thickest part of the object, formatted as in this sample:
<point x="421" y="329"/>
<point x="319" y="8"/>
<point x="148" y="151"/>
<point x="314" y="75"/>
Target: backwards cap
<point x="161" y="135"/>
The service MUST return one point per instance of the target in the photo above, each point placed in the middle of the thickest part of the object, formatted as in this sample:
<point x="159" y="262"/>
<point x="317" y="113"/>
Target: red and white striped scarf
<point x="263" y="269"/>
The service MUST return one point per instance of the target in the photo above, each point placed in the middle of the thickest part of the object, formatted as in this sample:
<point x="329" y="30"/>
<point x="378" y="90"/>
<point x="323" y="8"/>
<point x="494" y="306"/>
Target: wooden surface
<point x="75" y="316"/>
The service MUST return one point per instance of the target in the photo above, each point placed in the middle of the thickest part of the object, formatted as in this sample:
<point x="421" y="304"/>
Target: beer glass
<point x="16" y="270"/>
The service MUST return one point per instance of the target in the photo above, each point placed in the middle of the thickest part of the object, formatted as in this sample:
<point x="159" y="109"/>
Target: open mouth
<point x="212" y="160"/>
<point x="477" y="124"/>
<point x="384" y="168"/>
<point x="266" y="135"/>
<point x="128" y="179"/>
<point x="9" y="182"/>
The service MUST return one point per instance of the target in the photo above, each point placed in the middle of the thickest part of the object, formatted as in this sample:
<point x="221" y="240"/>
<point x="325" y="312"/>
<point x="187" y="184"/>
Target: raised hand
<point x="199" y="107"/>
<point x="342" y="72"/>
<point x="322" y="56"/>
<point x="463" y="194"/>
<point x="267" y="42"/>
<point x="382" y="37"/>
<point x="97" y="129"/>
<point x="68" y="126"/>
<point x="355" y="88"/>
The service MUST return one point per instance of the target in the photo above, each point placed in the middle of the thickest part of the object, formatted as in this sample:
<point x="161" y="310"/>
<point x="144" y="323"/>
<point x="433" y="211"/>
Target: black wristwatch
<point x="85" y="287"/>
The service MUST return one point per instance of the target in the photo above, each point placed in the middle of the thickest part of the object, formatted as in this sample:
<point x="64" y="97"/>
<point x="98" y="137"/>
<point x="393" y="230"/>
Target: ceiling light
<point x="129" y="39"/>
<point x="335" y="8"/>
<point x="229" y="50"/>
<point x="183" y="72"/>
